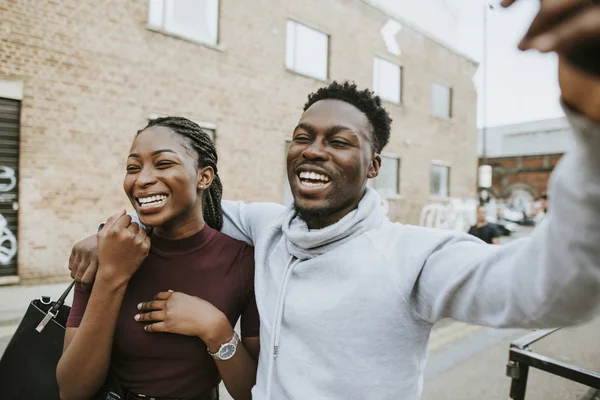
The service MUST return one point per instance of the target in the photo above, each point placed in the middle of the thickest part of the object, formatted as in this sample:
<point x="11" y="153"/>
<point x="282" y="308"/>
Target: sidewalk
<point x="14" y="300"/>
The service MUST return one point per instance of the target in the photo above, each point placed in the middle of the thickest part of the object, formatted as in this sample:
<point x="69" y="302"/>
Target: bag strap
<point x="53" y="311"/>
<point x="61" y="299"/>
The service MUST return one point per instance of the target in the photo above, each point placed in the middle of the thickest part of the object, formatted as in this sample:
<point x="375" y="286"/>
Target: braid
<point x="201" y="144"/>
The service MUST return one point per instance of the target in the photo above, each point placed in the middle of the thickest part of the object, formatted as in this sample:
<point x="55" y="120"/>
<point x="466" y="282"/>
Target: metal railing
<point x="521" y="357"/>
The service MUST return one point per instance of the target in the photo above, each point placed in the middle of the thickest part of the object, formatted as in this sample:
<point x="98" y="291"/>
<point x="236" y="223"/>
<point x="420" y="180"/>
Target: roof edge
<point x="429" y="36"/>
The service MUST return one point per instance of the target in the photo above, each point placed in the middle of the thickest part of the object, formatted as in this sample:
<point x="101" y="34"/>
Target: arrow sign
<point x="388" y="33"/>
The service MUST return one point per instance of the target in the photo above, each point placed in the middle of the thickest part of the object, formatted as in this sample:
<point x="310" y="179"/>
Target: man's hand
<point x="179" y="313"/>
<point x="580" y="91"/>
<point x="122" y="246"/>
<point x="83" y="261"/>
<point x="570" y="28"/>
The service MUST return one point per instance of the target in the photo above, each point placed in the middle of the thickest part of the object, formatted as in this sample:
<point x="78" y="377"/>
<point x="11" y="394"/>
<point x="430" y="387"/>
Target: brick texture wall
<point x="531" y="172"/>
<point x="93" y="72"/>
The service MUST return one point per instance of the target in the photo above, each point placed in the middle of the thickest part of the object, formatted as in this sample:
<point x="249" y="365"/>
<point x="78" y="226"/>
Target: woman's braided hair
<point x="202" y="145"/>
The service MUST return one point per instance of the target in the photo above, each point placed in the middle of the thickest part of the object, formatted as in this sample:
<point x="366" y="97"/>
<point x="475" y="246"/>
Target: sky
<point x="521" y="86"/>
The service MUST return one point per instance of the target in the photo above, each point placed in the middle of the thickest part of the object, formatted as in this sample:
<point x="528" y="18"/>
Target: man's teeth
<point x="152" y="200"/>
<point x="313" y="176"/>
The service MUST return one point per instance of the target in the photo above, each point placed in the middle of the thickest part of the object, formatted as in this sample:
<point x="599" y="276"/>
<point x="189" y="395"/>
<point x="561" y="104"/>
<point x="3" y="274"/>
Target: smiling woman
<point x="193" y="286"/>
<point x="173" y="156"/>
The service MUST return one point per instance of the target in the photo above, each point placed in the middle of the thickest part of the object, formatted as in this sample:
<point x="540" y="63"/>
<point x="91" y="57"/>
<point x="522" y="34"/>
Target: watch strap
<point x="235" y="341"/>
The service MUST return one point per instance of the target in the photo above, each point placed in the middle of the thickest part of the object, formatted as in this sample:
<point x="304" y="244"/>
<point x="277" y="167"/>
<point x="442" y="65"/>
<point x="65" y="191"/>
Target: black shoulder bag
<point x="28" y="365"/>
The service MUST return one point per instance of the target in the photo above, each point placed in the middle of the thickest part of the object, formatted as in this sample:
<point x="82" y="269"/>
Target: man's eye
<point x="132" y="168"/>
<point x="339" y="143"/>
<point x="302" y="139"/>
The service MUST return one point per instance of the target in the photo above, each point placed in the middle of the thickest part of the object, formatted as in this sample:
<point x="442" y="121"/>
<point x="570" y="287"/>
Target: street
<point x="469" y="362"/>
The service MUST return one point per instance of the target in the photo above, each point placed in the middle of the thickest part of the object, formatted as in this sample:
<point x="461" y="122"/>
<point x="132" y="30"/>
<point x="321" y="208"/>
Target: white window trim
<point x="398" y="195"/>
<point x="214" y="46"/>
<point x="450" y="110"/>
<point x="400" y="88"/>
<point x="286" y="184"/>
<point x="320" y="30"/>
<point x="201" y="124"/>
<point x="11" y="89"/>
<point x="440" y="163"/>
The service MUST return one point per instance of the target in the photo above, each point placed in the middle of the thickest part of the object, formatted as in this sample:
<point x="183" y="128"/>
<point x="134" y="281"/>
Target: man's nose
<point x="315" y="151"/>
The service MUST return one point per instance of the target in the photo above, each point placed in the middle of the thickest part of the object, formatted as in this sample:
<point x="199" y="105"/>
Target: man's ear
<point x="205" y="177"/>
<point x="374" y="166"/>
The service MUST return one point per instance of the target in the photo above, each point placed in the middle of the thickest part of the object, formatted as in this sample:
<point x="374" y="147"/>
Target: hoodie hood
<point x="304" y="243"/>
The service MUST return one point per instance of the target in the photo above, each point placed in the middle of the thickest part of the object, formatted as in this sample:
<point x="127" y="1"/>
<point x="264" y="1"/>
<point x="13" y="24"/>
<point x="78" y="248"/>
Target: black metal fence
<point x="521" y="358"/>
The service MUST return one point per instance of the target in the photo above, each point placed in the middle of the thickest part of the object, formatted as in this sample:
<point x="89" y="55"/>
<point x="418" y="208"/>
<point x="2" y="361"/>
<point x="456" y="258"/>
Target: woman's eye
<point x="164" y="164"/>
<point x="132" y="168"/>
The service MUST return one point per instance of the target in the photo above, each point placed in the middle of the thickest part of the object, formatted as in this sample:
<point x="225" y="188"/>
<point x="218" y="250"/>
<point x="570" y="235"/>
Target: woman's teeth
<point x="152" y="200"/>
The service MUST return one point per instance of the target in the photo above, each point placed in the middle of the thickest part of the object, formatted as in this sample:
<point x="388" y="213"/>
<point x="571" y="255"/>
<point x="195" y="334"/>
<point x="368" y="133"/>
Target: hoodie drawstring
<point x="277" y="323"/>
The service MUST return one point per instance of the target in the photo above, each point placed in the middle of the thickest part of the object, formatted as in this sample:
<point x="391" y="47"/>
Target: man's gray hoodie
<point x="346" y="311"/>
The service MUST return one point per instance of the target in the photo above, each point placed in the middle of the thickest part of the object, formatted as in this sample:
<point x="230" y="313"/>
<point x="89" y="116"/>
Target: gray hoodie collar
<point x="304" y="243"/>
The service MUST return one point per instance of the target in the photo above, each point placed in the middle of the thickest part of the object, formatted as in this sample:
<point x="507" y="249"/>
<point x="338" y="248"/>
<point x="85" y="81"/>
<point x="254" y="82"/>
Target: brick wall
<point x="531" y="172"/>
<point x="92" y="73"/>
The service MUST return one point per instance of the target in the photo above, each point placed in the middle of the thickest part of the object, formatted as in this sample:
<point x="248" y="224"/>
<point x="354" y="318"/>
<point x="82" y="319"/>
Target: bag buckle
<point x="45" y="321"/>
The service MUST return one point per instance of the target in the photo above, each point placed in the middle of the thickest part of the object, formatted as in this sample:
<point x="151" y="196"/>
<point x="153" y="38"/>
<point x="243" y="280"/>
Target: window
<point x="441" y="100"/>
<point x="387" y="80"/>
<point x="440" y="180"/>
<point x="207" y="127"/>
<point x="287" y="192"/>
<point x="387" y="182"/>
<point x="307" y="51"/>
<point x="197" y="20"/>
<point x="210" y="132"/>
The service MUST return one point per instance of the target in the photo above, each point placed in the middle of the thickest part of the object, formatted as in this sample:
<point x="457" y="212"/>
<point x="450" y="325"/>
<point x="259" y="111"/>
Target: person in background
<point x="483" y="230"/>
<point x="541" y="208"/>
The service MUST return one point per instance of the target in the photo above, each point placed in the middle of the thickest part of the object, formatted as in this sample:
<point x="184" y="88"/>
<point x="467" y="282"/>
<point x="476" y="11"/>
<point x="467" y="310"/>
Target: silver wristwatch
<point x="227" y="350"/>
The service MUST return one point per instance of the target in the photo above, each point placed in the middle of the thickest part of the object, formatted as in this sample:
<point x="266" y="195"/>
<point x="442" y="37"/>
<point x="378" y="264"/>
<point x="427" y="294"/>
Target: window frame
<point x="208" y="127"/>
<point x="377" y="59"/>
<point x="287" y="191"/>
<point x="443" y="164"/>
<point x="398" y="192"/>
<point x="164" y="29"/>
<point x="450" y="100"/>
<point x="292" y="66"/>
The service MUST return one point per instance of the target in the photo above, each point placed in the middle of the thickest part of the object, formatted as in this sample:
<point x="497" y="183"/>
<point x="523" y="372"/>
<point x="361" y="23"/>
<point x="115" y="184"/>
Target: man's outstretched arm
<point x="247" y="221"/>
<point x="553" y="277"/>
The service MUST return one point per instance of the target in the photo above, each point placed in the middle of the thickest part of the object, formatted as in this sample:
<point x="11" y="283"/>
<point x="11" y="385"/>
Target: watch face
<point x="227" y="351"/>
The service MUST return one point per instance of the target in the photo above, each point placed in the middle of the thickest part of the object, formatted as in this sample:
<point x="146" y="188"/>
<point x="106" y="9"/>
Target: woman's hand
<point x="179" y="313"/>
<point x="122" y="246"/>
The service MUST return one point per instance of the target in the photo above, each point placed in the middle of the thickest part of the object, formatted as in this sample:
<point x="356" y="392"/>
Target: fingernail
<point x="139" y="306"/>
<point x="171" y="291"/>
<point x="543" y="43"/>
<point x="137" y="317"/>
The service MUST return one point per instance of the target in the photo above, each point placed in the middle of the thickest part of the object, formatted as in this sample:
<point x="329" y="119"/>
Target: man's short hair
<point x="366" y="101"/>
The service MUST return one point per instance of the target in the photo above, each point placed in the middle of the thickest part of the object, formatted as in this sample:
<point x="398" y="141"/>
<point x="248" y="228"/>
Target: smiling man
<point x="347" y="299"/>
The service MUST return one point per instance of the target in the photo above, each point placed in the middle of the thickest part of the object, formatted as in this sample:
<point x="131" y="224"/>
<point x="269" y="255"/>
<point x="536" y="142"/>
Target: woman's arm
<point x="84" y="364"/>
<point x="239" y="372"/>
<point x="183" y="314"/>
<point x="83" y="367"/>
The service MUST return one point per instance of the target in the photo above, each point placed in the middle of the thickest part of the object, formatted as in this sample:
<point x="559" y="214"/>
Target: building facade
<point x="78" y="79"/>
<point x="522" y="157"/>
